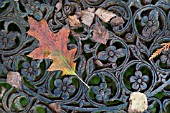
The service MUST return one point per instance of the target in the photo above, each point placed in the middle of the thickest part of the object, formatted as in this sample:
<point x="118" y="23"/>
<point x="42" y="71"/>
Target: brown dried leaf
<point x="104" y="15"/>
<point x="165" y="47"/>
<point x="14" y="79"/>
<point x="58" y="6"/>
<point x="55" y="107"/>
<point x="100" y="34"/>
<point x="87" y="16"/>
<point x="74" y="21"/>
<point x="117" y="21"/>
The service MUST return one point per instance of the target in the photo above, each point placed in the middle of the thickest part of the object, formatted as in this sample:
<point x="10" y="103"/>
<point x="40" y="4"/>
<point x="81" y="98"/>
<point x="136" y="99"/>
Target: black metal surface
<point x="113" y="71"/>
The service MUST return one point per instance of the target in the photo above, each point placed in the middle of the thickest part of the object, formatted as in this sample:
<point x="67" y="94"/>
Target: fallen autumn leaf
<point x="53" y="46"/>
<point x="14" y="79"/>
<point x="104" y="15"/>
<point x="74" y="21"/>
<point x="100" y="34"/>
<point x="87" y="16"/>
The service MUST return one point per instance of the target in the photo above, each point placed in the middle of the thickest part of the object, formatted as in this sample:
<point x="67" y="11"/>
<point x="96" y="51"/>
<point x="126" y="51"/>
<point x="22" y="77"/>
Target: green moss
<point x="75" y="82"/>
<point x="60" y="75"/>
<point x="52" y="83"/>
<point x="129" y="72"/>
<point x="163" y="65"/>
<point x="108" y="81"/>
<point x="145" y="71"/>
<point x="167" y="87"/>
<point x="72" y="39"/>
<point x="28" y="84"/>
<point x="168" y="108"/>
<point x="6" y="85"/>
<point x="40" y="109"/>
<point x="138" y="26"/>
<point x="111" y="84"/>
<point x="95" y="80"/>
<point x="14" y="108"/>
<point x="91" y="94"/>
<point x="159" y="95"/>
<point x="115" y="102"/>
<point x="23" y="101"/>
<point x="154" y="109"/>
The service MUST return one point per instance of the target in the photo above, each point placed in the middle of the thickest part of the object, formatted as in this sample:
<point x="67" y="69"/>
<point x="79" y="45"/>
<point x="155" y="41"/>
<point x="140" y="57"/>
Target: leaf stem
<point x="74" y="71"/>
<point x="82" y="81"/>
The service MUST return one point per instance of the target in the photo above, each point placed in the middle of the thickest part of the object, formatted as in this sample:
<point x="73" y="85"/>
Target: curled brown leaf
<point x="87" y="16"/>
<point x="104" y="15"/>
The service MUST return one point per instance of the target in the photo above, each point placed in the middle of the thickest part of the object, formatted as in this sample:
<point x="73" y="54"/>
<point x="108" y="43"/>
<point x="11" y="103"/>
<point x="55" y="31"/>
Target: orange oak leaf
<point x="53" y="46"/>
